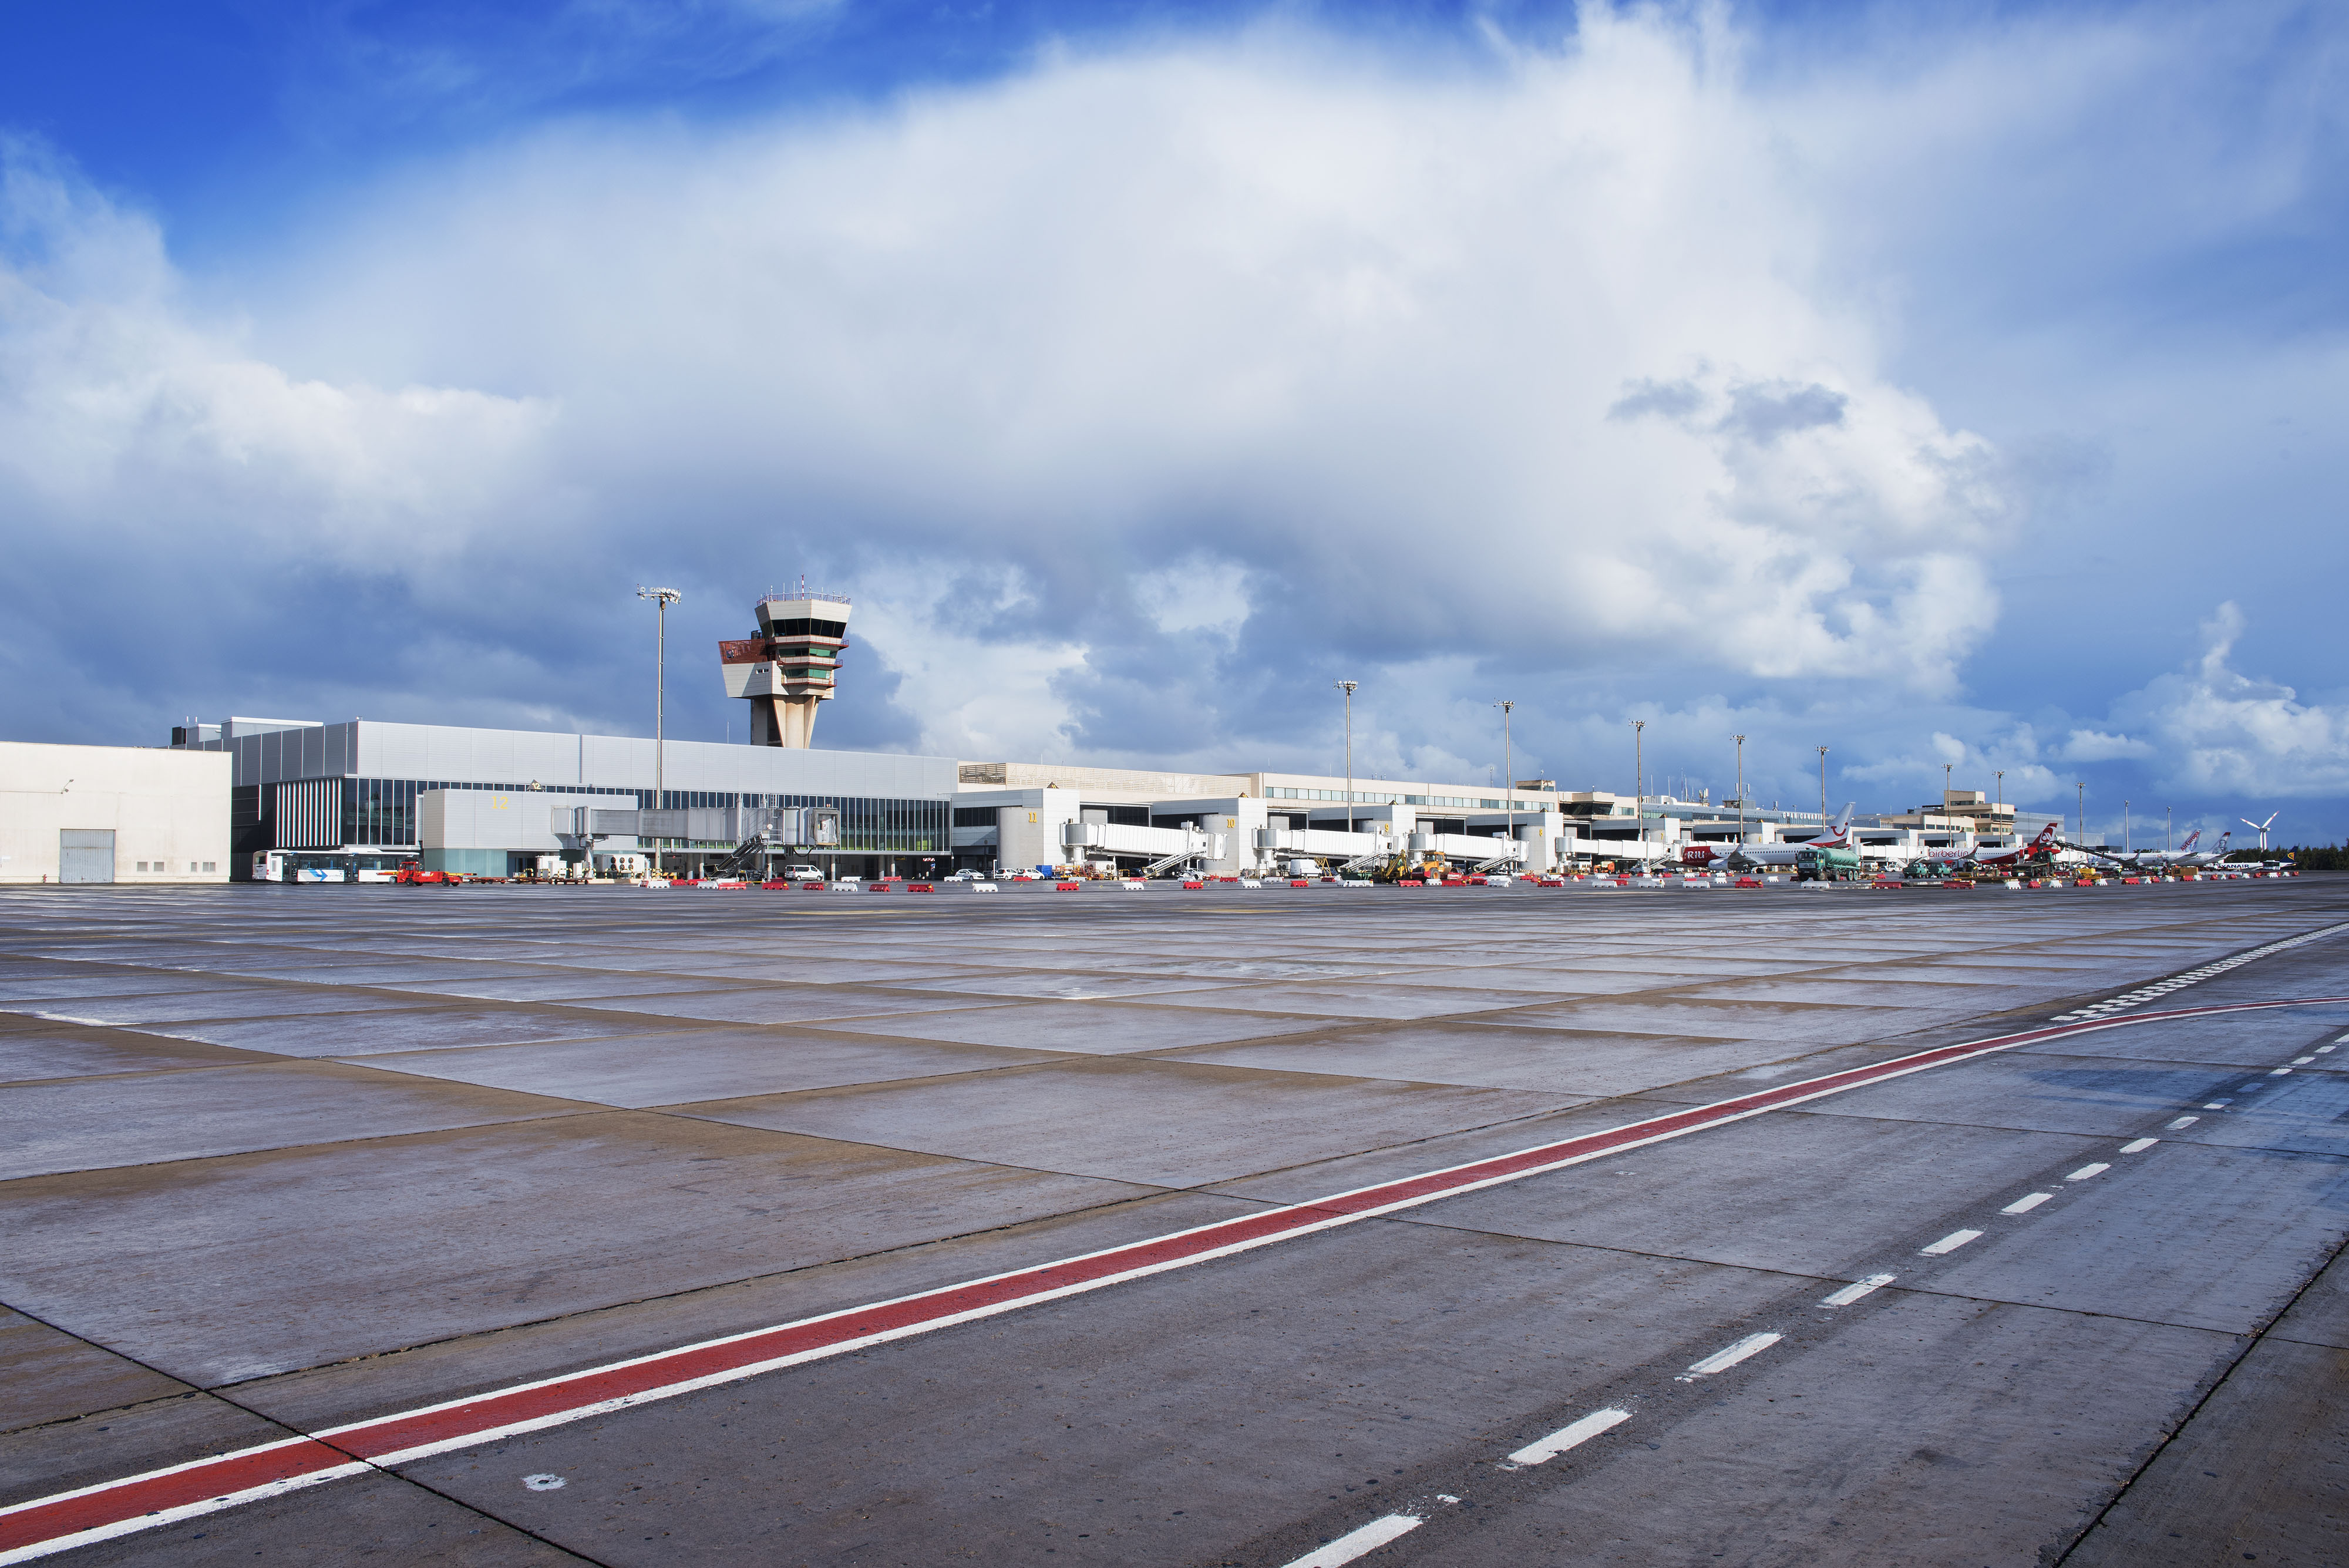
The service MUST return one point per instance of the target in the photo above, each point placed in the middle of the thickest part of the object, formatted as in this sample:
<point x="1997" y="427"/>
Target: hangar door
<point x="85" y="854"/>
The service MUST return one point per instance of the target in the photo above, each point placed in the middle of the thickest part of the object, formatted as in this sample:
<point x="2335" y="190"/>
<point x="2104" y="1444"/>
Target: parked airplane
<point x="2186" y="855"/>
<point x="1746" y="857"/>
<point x="2043" y="847"/>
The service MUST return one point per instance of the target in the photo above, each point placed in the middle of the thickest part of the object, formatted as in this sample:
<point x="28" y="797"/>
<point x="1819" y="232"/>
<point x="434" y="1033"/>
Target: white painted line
<point x="1721" y="1360"/>
<point x="40" y="1527"/>
<point x="1856" y="1288"/>
<point x="2218" y="1105"/>
<point x="1571" y="1435"/>
<point x="2302" y="1060"/>
<point x="2025" y="1205"/>
<point x="2140" y="1146"/>
<point x="2321" y="1050"/>
<point x="1949" y="1244"/>
<point x="2279" y="1072"/>
<point x="2086" y="1171"/>
<point x="2181" y="1122"/>
<point x="1357" y="1542"/>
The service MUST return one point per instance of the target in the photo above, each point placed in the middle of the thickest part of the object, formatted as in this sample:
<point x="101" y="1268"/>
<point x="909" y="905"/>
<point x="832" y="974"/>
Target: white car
<point x="802" y="874"/>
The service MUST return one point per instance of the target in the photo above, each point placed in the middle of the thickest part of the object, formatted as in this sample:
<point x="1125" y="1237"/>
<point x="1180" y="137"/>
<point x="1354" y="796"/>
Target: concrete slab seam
<point x="42" y="1526"/>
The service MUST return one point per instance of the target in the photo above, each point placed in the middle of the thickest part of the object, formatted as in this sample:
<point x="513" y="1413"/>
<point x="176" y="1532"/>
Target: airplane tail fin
<point x="2191" y="839"/>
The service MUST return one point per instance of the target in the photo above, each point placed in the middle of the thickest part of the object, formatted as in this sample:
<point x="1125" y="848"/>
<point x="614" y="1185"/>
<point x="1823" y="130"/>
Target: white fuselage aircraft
<point x="1739" y="856"/>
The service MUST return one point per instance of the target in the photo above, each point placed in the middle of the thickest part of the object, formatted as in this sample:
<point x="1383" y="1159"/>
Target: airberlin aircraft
<point x="1740" y="857"/>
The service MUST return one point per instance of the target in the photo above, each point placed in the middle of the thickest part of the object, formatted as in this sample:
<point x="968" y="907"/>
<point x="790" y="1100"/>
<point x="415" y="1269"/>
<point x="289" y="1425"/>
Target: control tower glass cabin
<point x="789" y="666"/>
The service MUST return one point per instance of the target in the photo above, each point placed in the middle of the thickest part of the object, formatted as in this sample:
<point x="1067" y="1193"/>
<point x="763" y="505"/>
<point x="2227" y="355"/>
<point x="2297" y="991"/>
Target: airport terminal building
<point x="360" y="795"/>
<point x="351" y="801"/>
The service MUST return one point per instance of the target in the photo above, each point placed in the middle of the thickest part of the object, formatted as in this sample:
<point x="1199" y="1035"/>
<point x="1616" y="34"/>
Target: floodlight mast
<point x="1508" y="767"/>
<point x="1348" y="686"/>
<point x="662" y="598"/>
<point x="1640" y="787"/>
<point x="1740" y="789"/>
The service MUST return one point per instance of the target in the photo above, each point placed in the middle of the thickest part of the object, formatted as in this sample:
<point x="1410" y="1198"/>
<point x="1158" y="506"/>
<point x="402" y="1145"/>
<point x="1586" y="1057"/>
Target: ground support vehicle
<point x="1821" y="864"/>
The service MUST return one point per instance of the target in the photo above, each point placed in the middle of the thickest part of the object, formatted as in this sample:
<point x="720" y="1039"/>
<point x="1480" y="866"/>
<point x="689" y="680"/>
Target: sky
<point x="1959" y="388"/>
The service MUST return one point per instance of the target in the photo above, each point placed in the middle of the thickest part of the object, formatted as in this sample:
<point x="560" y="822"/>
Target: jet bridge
<point x="1327" y="845"/>
<point x="1162" y="845"/>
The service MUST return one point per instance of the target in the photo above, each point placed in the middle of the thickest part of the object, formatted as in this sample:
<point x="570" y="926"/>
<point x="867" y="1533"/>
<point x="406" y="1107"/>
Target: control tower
<point x="789" y="666"/>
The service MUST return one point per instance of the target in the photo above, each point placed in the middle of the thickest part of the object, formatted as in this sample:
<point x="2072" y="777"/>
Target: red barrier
<point x="1194" y="887"/>
<point x="1411" y="882"/>
<point x="1300" y="882"/>
<point x="878" y="887"/>
<point x="1068" y="887"/>
<point x="811" y="887"/>
<point x="920" y="888"/>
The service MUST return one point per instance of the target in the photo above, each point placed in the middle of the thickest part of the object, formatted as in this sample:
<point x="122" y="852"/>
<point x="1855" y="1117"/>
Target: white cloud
<point x="2096" y="746"/>
<point x="2219" y="731"/>
<point x="1196" y="595"/>
<point x="1258" y="302"/>
<point x="1133" y="395"/>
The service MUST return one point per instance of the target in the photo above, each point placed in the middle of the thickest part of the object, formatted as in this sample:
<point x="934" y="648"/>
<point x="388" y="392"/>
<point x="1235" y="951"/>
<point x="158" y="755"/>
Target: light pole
<point x="1348" y="688"/>
<point x="1639" y="785"/>
<point x="662" y="598"/>
<point x="1823" y="792"/>
<point x="2084" y="811"/>
<point x="1740" y="789"/>
<point x="2125" y="828"/>
<point x="1508" y="767"/>
<point x="2001" y="777"/>
<point x="2165" y="830"/>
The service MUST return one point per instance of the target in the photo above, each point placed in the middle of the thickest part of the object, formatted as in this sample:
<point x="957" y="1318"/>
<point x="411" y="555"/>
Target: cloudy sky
<point x="1958" y="385"/>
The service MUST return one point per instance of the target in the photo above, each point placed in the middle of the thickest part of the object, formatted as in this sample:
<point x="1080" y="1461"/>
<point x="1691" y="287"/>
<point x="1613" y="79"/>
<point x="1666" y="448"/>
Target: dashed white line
<point x="2025" y="1205"/>
<point x="2321" y="1050"/>
<point x="1573" y="1434"/>
<point x="2217" y="1104"/>
<point x="2302" y="1060"/>
<point x="1356" y="1542"/>
<point x="1721" y="1360"/>
<point x="1856" y="1288"/>
<point x="1949" y="1244"/>
<point x="2278" y="1072"/>
<point x="2181" y="1122"/>
<point x="2138" y="1145"/>
<point x="2086" y="1171"/>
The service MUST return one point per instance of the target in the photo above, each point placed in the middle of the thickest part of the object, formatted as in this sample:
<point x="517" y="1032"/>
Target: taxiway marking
<point x="1570" y="1436"/>
<point x="2025" y="1205"/>
<point x="1729" y="1356"/>
<point x="1355" y="1543"/>
<point x="41" y="1526"/>
<point x="1948" y="1244"/>
<point x="1856" y="1288"/>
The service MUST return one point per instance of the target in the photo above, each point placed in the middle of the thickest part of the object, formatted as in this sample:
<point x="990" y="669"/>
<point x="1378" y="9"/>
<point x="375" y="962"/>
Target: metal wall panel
<point x="309" y="815"/>
<point x="85" y="854"/>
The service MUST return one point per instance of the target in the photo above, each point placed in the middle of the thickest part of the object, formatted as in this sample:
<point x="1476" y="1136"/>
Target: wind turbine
<point x="2260" y="827"/>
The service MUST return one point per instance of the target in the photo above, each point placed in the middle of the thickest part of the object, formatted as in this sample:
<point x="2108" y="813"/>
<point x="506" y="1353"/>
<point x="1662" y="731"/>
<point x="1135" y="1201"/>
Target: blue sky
<point x="1957" y="384"/>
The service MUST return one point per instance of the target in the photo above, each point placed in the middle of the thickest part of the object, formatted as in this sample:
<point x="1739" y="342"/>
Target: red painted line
<point x="35" y="1529"/>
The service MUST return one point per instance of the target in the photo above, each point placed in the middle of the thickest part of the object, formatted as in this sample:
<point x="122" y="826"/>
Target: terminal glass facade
<point x="383" y="812"/>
